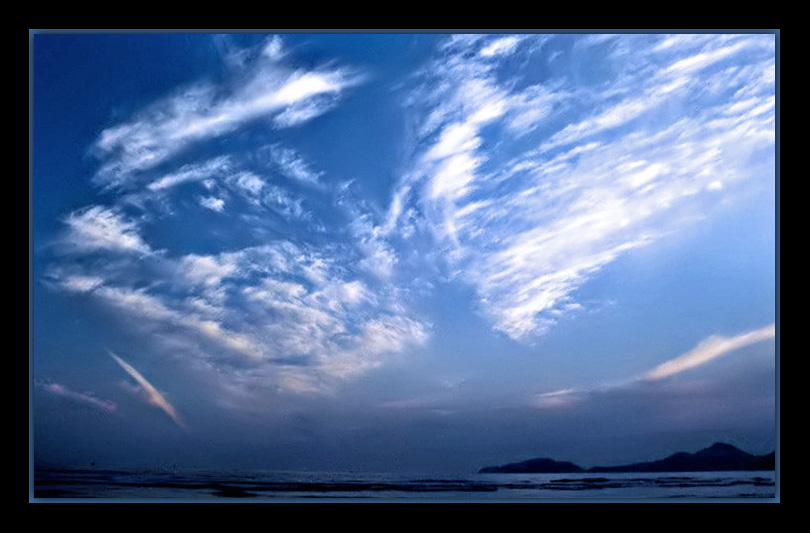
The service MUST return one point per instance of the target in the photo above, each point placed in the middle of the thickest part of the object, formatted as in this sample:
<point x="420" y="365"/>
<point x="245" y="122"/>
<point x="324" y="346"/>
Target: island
<point x="718" y="457"/>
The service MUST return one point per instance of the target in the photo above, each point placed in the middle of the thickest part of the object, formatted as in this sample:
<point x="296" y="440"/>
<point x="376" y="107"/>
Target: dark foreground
<point x="196" y="485"/>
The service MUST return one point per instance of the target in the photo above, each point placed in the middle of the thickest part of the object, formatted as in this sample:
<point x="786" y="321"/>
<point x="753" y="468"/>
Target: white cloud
<point x="206" y="110"/>
<point x="249" y="183"/>
<point x="154" y="312"/>
<point x="282" y="202"/>
<point x="377" y="338"/>
<point x="702" y="60"/>
<point x="79" y="283"/>
<point x="709" y="350"/>
<point x="292" y="165"/>
<point x="193" y="172"/>
<point x="501" y="46"/>
<point x="138" y="304"/>
<point x="682" y="42"/>
<point x="206" y="269"/>
<point x="559" y="399"/>
<point x="274" y="49"/>
<point x="304" y="111"/>
<point x="664" y="86"/>
<point x="213" y="203"/>
<point x="276" y="315"/>
<point x="354" y="292"/>
<point x="528" y="227"/>
<point x="611" y="117"/>
<point x="379" y="257"/>
<point x="531" y="107"/>
<point x="101" y="228"/>
<point x="579" y="215"/>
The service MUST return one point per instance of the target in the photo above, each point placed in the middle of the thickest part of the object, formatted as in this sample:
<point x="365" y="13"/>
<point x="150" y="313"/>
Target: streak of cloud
<point x="707" y="351"/>
<point x="154" y="396"/>
<point x="704" y="353"/>
<point x="84" y="398"/>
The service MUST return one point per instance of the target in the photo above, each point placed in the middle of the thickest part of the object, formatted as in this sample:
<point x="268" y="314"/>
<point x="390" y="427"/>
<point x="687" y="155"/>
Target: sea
<point x="75" y="484"/>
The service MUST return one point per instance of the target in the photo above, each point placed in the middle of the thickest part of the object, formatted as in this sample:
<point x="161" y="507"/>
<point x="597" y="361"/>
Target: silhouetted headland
<point x="719" y="457"/>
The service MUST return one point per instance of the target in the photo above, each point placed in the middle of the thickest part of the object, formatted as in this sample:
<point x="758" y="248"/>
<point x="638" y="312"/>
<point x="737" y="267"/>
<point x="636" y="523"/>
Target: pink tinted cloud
<point x="83" y="398"/>
<point x="154" y="396"/>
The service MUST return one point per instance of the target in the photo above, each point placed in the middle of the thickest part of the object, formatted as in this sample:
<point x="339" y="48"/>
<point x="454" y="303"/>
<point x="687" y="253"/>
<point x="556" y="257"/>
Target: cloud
<point x="277" y="316"/>
<point x="560" y="398"/>
<point x="153" y="395"/>
<point x="205" y="110"/>
<point x="284" y="203"/>
<point x="532" y="189"/>
<point x="377" y="338"/>
<point x="193" y="172"/>
<point x="704" y="353"/>
<point x="101" y="228"/>
<point x="207" y="270"/>
<point x="213" y="203"/>
<point x="83" y="398"/>
<point x="501" y="46"/>
<point x="292" y="165"/>
<point x="79" y="283"/>
<point x="666" y="85"/>
<point x="249" y="183"/>
<point x="704" y="59"/>
<point x="152" y="310"/>
<point x="300" y="112"/>
<point x="707" y="351"/>
<point x="264" y="304"/>
<point x="514" y="188"/>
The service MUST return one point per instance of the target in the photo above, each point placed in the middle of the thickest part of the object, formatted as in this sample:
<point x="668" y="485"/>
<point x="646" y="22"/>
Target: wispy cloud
<point x="292" y="165"/>
<point x="102" y="228"/>
<point x="560" y="398"/>
<point x="501" y="46"/>
<point x="380" y="259"/>
<point x="207" y="270"/>
<point x="704" y="353"/>
<point x="213" y="168"/>
<point x="75" y="282"/>
<point x="83" y="398"/>
<point x="213" y="203"/>
<point x="275" y="315"/>
<point x="709" y="350"/>
<point x="153" y="395"/>
<point x="205" y="110"/>
<point x="653" y="149"/>
<point x="154" y="311"/>
<point x="284" y="203"/>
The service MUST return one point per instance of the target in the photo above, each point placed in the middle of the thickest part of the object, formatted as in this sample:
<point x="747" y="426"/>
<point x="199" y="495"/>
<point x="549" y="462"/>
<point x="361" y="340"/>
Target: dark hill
<point x="716" y="458"/>
<point x="546" y="466"/>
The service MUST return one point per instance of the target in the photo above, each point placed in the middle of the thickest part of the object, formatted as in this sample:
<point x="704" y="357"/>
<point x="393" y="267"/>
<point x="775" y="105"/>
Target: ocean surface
<point x="136" y="484"/>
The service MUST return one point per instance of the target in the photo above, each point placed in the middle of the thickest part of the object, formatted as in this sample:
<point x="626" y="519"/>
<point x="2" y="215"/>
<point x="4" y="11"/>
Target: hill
<point x="716" y="458"/>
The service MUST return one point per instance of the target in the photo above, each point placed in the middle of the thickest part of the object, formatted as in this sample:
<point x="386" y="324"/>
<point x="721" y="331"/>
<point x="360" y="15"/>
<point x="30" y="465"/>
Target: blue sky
<point x="400" y="252"/>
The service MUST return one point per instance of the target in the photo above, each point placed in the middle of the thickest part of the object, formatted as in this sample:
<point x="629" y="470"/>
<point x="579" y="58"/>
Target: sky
<point x="414" y="252"/>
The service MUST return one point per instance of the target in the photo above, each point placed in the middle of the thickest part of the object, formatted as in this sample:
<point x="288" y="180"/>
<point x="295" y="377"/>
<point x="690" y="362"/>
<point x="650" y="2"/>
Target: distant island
<point x="716" y="458"/>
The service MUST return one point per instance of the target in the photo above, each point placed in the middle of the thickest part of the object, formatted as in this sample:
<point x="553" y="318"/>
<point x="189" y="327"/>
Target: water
<point x="212" y="485"/>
